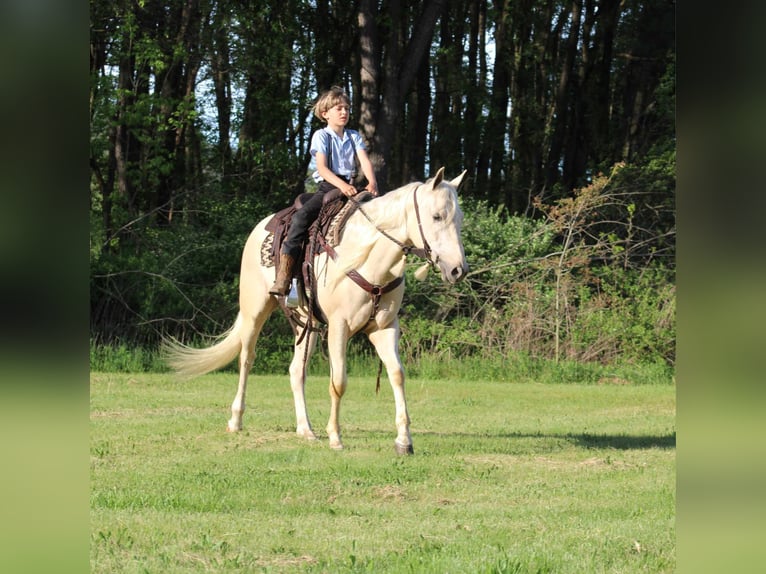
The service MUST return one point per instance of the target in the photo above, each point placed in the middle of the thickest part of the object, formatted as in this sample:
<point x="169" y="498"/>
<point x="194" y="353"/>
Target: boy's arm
<point x="369" y="172"/>
<point x="329" y="176"/>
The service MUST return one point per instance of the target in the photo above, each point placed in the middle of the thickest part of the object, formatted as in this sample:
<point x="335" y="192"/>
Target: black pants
<point x="302" y="220"/>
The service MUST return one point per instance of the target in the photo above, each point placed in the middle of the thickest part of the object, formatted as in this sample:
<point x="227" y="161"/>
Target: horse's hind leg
<point x="386" y="342"/>
<point x="250" y="330"/>
<point x="298" y="366"/>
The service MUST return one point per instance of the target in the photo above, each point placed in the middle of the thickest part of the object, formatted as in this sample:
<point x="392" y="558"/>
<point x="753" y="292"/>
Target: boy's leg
<point x="291" y="246"/>
<point x="302" y="220"/>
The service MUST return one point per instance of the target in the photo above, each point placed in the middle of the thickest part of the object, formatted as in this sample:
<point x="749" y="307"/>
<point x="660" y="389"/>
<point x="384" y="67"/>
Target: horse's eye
<point x="437" y="217"/>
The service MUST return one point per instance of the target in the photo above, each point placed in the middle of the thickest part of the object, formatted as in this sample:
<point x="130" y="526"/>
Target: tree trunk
<point x="415" y="168"/>
<point x="476" y="82"/>
<point x="561" y="111"/>
<point x="491" y="160"/>
<point x="369" y="68"/>
<point x="220" y="66"/>
<point x="400" y="71"/>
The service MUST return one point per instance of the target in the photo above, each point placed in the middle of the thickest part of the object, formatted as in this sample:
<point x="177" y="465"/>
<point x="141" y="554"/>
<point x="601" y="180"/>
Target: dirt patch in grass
<point x="390" y="493"/>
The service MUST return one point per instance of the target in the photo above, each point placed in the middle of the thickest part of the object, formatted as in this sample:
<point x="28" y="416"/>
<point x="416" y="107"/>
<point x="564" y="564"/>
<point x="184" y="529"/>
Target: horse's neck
<point x="386" y="261"/>
<point x="386" y="258"/>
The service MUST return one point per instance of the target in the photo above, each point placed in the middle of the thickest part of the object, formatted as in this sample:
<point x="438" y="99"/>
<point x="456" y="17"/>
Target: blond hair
<point x="331" y="98"/>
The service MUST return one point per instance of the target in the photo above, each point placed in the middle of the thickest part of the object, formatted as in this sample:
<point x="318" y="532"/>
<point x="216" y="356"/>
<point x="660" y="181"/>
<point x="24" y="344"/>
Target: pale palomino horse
<point x="424" y="218"/>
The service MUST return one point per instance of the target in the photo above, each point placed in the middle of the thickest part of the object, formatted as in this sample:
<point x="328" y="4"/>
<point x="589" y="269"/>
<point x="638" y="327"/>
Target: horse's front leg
<point x="298" y="367"/>
<point x="386" y="342"/>
<point x="337" y="339"/>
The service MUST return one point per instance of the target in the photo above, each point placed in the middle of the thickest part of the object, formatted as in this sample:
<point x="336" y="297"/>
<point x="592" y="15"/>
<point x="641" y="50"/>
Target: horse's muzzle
<point x="455" y="274"/>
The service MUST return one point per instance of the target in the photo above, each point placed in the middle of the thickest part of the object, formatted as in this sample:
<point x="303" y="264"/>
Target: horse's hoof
<point x="307" y="434"/>
<point x="403" y="449"/>
<point x="336" y="446"/>
<point x="229" y="429"/>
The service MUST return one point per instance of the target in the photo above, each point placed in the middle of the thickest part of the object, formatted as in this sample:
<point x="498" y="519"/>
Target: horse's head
<point x="439" y="218"/>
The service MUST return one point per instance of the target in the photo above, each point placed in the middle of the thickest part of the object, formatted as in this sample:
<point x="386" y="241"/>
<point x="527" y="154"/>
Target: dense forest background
<point x="562" y="113"/>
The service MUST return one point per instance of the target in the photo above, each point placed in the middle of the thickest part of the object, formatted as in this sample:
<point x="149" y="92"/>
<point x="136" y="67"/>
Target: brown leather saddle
<point x="326" y="230"/>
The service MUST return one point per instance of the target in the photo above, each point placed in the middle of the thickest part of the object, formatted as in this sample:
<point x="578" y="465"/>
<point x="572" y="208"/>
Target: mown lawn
<point x="505" y="478"/>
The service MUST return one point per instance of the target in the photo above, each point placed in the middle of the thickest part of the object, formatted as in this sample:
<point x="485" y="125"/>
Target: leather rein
<point x="422" y="252"/>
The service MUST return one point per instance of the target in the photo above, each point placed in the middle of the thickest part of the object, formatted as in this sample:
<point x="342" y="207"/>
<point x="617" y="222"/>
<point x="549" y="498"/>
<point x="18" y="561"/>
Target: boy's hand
<point x="372" y="188"/>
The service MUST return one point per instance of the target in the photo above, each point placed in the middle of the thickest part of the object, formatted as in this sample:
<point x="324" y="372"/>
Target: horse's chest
<point x="361" y="312"/>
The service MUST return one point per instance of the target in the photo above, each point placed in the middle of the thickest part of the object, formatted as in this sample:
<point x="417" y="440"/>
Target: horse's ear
<point x="458" y="180"/>
<point x="438" y="178"/>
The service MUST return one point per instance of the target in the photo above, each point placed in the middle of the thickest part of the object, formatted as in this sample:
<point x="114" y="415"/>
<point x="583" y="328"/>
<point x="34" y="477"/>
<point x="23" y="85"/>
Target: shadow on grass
<point x="584" y="440"/>
<point x="624" y="442"/>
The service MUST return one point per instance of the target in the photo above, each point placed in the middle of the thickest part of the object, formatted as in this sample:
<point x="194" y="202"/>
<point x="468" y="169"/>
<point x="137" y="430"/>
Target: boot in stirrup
<point x="284" y="274"/>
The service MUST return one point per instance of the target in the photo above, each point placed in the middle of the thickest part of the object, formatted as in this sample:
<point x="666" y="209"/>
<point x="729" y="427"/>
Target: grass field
<point x="521" y="478"/>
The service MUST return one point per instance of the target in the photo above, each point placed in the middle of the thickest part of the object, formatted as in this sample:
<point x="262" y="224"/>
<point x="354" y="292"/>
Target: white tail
<point x="190" y="362"/>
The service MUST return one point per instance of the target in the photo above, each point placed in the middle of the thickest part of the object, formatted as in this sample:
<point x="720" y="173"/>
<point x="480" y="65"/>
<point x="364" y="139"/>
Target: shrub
<point x="587" y="281"/>
<point x="575" y="285"/>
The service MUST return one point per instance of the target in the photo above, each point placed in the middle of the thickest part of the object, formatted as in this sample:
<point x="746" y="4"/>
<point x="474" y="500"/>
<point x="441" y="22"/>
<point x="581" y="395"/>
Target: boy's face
<point x="337" y="115"/>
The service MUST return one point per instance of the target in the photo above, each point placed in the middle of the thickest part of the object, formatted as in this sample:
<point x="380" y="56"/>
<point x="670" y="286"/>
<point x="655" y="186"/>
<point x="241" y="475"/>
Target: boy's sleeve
<point x="319" y="143"/>
<point x="358" y="141"/>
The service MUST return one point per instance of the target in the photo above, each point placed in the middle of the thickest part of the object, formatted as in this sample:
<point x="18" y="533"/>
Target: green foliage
<point x="587" y="284"/>
<point x="181" y="279"/>
<point x="521" y="367"/>
<point x="561" y="289"/>
<point x="121" y="358"/>
<point x="275" y="352"/>
<point x="199" y="126"/>
<point x="631" y="311"/>
<point x="501" y="243"/>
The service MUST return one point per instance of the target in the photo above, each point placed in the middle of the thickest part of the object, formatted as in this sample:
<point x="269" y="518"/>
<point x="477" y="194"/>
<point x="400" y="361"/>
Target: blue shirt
<point x="340" y="152"/>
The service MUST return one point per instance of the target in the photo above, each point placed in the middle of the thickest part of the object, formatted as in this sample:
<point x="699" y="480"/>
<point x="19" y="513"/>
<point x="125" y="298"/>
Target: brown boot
<point x="284" y="275"/>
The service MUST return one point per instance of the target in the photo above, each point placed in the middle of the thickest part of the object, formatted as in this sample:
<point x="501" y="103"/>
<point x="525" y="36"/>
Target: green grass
<point x="362" y="359"/>
<point x="522" y="478"/>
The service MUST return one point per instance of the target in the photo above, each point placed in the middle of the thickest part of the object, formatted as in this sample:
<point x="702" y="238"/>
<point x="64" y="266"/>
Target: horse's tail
<point x="190" y="362"/>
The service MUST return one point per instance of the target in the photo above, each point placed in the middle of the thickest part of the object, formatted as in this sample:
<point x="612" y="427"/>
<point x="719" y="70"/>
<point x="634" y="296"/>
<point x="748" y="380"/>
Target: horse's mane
<point x="388" y="214"/>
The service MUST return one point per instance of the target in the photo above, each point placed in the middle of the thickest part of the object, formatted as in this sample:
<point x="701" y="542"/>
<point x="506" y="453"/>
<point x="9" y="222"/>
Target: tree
<point x="200" y="115"/>
<point x="401" y="61"/>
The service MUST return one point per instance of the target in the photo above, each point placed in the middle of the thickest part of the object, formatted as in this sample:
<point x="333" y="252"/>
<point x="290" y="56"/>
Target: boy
<point x="334" y="148"/>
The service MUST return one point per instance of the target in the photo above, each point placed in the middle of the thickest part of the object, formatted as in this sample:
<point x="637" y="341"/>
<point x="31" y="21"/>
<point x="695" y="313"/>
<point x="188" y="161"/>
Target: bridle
<point x="377" y="291"/>
<point x="422" y="252"/>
